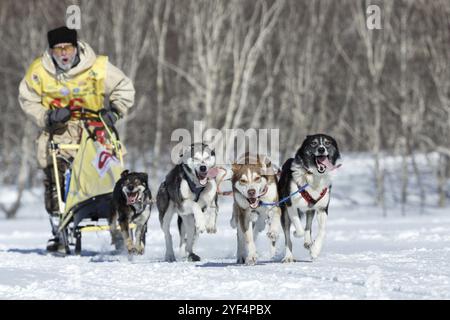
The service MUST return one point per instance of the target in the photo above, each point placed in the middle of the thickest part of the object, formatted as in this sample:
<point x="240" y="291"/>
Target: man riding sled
<point x="69" y="75"/>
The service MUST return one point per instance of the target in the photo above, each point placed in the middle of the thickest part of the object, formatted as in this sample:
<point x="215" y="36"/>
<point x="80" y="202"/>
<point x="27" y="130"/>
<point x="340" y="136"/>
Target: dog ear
<point x="144" y="177"/>
<point x="124" y="173"/>
<point x="236" y="167"/>
<point x="298" y="159"/>
<point x="265" y="161"/>
<point x="336" y="155"/>
<point x="267" y="168"/>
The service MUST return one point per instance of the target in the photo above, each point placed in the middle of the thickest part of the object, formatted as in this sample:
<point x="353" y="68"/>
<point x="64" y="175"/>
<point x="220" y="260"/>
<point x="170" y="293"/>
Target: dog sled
<point x="87" y="200"/>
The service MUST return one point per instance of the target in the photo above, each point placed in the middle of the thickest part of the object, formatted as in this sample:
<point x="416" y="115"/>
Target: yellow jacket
<point x="92" y="79"/>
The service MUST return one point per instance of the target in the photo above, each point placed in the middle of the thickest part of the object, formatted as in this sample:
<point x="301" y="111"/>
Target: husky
<point x="190" y="190"/>
<point x="254" y="184"/>
<point x="131" y="196"/>
<point x="312" y="164"/>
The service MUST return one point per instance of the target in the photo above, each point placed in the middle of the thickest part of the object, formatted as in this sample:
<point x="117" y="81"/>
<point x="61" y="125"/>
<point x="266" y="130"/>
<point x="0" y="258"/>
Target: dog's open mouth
<point x="253" y="202"/>
<point x="132" y="197"/>
<point x="323" y="163"/>
<point x="204" y="176"/>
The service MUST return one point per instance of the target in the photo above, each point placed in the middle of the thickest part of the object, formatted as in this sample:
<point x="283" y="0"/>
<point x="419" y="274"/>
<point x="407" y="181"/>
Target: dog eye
<point x="327" y="143"/>
<point x="314" y="143"/>
<point x="242" y="181"/>
<point x="257" y="179"/>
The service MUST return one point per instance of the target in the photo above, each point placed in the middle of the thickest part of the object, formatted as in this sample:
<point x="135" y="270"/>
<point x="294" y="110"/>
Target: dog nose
<point x="202" y="168"/>
<point x="321" y="150"/>
<point x="251" y="193"/>
<point x="130" y="187"/>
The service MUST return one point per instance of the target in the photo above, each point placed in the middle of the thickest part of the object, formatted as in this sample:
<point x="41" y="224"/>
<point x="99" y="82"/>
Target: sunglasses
<point x="68" y="48"/>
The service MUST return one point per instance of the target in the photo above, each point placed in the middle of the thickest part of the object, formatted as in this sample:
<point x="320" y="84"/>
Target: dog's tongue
<point x="323" y="163"/>
<point x="327" y="163"/>
<point x="132" y="197"/>
<point x="212" y="173"/>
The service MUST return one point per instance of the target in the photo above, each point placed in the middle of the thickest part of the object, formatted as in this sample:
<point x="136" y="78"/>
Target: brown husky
<point x="254" y="183"/>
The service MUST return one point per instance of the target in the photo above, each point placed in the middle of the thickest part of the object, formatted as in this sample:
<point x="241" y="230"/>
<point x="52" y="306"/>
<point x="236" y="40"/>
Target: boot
<point x="51" y="202"/>
<point x="54" y="245"/>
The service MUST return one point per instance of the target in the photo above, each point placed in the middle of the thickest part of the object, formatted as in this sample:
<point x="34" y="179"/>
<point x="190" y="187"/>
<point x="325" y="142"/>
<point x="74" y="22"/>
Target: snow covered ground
<point x="365" y="256"/>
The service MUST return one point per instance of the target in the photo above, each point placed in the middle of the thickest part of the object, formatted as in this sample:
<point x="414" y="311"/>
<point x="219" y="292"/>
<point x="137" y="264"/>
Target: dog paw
<point x="307" y="244"/>
<point x="251" y="260"/>
<point x="132" y="251"/>
<point x="170" y="258"/>
<point x="130" y="247"/>
<point x="139" y="250"/>
<point x="200" y="226"/>
<point x="193" y="257"/>
<point x="314" y="251"/>
<point x="273" y="235"/>
<point x="211" y="229"/>
<point x="201" y="229"/>
<point x="288" y="259"/>
<point x="240" y="260"/>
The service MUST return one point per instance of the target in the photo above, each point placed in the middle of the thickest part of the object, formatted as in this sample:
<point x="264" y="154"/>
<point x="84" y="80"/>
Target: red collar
<point x="310" y="200"/>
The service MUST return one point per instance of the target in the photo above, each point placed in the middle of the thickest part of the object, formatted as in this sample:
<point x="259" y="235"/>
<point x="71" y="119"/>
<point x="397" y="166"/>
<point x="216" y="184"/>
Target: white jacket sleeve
<point x="119" y="88"/>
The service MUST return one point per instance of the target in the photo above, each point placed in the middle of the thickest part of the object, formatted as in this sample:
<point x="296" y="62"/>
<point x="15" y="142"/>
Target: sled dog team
<point x="261" y="199"/>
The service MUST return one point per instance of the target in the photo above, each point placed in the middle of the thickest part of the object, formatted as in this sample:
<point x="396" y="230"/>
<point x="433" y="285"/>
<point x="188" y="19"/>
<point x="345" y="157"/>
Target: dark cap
<point x="62" y="35"/>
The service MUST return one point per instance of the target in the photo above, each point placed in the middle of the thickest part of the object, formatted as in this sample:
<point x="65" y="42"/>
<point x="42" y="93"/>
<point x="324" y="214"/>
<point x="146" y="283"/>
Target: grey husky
<point x="190" y="191"/>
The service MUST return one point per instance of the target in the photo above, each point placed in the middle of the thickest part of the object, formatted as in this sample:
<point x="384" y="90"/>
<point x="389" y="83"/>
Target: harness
<point x="197" y="190"/>
<point x="301" y="189"/>
<point x="277" y="203"/>
<point x="310" y="200"/>
<point x="266" y="188"/>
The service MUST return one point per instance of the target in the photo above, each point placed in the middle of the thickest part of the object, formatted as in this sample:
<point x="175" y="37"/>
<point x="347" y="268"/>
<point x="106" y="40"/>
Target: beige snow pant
<point x="69" y="133"/>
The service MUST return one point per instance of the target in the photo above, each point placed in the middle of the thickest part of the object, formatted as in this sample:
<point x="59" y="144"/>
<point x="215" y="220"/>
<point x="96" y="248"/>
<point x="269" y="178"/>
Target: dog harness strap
<point x="194" y="188"/>
<point x="264" y="192"/>
<point x="310" y="200"/>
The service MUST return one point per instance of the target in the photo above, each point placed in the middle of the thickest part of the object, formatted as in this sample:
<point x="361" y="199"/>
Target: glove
<point x="110" y="117"/>
<point x="58" y="116"/>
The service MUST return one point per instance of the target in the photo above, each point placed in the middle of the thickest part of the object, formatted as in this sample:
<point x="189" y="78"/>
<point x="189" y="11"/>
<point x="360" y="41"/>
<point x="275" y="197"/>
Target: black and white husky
<point x="312" y="165"/>
<point x="189" y="190"/>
